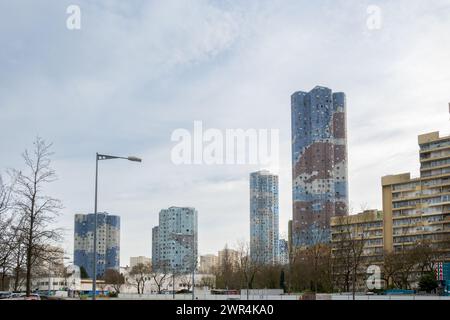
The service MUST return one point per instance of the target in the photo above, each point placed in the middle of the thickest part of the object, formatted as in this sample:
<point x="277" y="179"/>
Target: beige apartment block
<point x="227" y="255"/>
<point x="208" y="263"/>
<point x="417" y="210"/>
<point x="134" y="261"/>
<point x="363" y="230"/>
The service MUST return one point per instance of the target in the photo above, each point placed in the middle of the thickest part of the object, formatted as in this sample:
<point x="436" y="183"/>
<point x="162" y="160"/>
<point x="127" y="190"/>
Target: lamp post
<point x="97" y="158"/>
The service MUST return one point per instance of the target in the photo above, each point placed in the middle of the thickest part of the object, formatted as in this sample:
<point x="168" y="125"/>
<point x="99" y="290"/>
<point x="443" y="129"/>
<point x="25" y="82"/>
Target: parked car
<point x="5" y="294"/>
<point x="183" y="291"/>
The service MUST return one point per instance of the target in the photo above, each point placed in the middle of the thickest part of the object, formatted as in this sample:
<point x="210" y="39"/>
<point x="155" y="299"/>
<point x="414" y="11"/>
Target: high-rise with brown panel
<point x="319" y="163"/>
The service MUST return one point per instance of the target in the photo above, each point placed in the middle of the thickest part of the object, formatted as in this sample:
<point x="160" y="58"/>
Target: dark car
<point x="5" y="295"/>
<point x="183" y="291"/>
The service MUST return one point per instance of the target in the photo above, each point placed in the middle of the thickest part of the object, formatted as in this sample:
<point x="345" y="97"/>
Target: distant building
<point x="283" y="257"/>
<point x="108" y="242"/>
<point x="155" y="246"/>
<point x="174" y="241"/>
<point x="208" y="263"/>
<point x="319" y="163"/>
<point x="229" y="256"/>
<point x="264" y="218"/>
<point x="50" y="261"/>
<point x="134" y="261"/>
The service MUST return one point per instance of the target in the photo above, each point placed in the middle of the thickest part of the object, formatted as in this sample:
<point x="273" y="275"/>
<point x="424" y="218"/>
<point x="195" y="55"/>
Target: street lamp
<point x="97" y="158"/>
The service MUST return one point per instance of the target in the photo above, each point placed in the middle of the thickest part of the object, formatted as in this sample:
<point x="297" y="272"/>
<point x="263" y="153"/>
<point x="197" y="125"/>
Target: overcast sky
<point x="138" y="70"/>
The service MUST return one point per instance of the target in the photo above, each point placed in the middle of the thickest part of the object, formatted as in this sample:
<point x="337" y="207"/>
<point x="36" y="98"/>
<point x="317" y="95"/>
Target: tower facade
<point x="108" y="242"/>
<point x="155" y="246"/>
<point x="319" y="163"/>
<point x="264" y="217"/>
<point x="174" y="241"/>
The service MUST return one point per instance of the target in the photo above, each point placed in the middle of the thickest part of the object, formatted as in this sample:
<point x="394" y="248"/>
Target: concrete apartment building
<point x="418" y="209"/>
<point x="366" y="226"/>
<point x="230" y="255"/>
<point x="264" y="217"/>
<point x="415" y="210"/>
<point x="208" y="263"/>
<point x="134" y="261"/>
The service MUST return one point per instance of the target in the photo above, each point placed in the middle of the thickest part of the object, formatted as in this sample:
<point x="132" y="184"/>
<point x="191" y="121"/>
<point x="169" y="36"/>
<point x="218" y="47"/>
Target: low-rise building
<point x="364" y="230"/>
<point x="228" y="255"/>
<point x="134" y="261"/>
<point x="208" y="263"/>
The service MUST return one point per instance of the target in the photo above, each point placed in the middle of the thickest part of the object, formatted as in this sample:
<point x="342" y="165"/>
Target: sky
<point x="138" y="70"/>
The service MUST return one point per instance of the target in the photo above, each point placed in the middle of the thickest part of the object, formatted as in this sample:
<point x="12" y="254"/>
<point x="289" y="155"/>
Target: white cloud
<point x="138" y="70"/>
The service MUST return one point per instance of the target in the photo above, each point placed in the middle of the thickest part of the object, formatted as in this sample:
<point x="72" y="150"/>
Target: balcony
<point x="440" y="164"/>
<point x="436" y="183"/>
<point x="424" y="158"/>
<point x="434" y="173"/>
<point x="435" y="146"/>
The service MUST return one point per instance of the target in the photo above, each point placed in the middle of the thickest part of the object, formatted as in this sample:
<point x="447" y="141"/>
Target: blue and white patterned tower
<point x="264" y="219"/>
<point x="174" y="240"/>
<point x="108" y="246"/>
<point x="319" y="163"/>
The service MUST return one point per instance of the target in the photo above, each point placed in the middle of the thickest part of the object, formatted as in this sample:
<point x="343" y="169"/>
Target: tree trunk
<point x="3" y="280"/>
<point x="16" y="278"/>
<point x="30" y="237"/>
<point x="354" y="284"/>
<point x="28" y="282"/>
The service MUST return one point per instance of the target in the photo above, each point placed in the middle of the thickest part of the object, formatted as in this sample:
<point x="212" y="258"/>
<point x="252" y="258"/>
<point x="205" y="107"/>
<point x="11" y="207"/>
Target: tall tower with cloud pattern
<point x="319" y="163"/>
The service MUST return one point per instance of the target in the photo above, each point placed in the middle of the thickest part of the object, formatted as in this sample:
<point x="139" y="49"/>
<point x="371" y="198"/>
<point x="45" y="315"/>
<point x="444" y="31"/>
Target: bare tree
<point x="140" y="274"/>
<point x="406" y="264"/>
<point x="160" y="274"/>
<point x="37" y="211"/>
<point x="6" y="192"/>
<point x="427" y="255"/>
<point x="310" y="265"/>
<point x="186" y="281"/>
<point x="208" y="281"/>
<point x="246" y="266"/>
<point x="115" y="279"/>
<point x="349" y="245"/>
<point x="225" y="271"/>
<point x="389" y="268"/>
<point x="317" y="251"/>
<point x="342" y="267"/>
<point x="19" y="260"/>
<point x="8" y="232"/>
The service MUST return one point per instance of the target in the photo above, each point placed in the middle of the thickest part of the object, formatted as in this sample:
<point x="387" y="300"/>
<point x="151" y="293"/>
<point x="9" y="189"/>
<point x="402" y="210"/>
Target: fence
<point x="205" y="296"/>
<point x="208" y="296"/>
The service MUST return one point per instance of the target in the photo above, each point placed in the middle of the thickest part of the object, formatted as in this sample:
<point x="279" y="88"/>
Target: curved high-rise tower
<point x="319" y="163"/>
